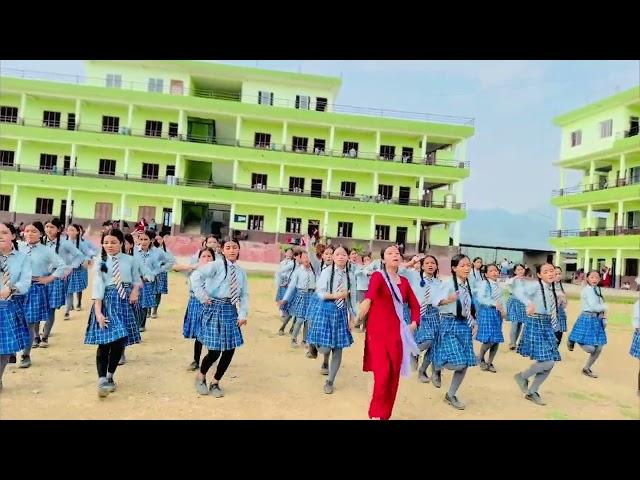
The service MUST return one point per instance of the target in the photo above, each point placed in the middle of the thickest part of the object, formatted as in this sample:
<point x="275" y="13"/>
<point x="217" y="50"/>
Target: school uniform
<point x="589" y="328"/>
<point x="516" y="310"/>
<point x="193" y="314"/>
<point x="282" y="279"/>
<point x="167" y="261"/>
<point x="475" y="279"/>
<point x="150" y="267"/>
<point x="562" y="307"/>
<point x="15" y="272"/>
<point x="72" y="258"/>
<point x="78" y="279"/>
<point x="635" y="341"/>
<point x="301" y="289"/>
<point x="429" y="316"/>
<point x="489" y="318"/>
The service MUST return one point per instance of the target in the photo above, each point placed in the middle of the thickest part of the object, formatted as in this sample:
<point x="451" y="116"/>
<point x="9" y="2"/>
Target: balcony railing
<point x="237" y="97"/>
<point x="596" y="232"/>
<point x="430" y="159"/>
<point x="172" y="180"/>
<point x="592" y="187"/>
<point x="632" y="132"/>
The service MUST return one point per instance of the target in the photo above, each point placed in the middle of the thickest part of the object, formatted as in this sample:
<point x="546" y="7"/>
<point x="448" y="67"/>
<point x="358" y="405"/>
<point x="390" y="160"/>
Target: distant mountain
<point x="500" y="228"/>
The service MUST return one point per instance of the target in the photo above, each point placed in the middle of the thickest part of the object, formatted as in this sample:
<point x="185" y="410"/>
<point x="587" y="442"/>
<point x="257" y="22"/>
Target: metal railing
<point x="430" y="159"/>
<point x="596" y="232"/>
<point x="168" y="89"/>
<point x="201" y="183"/>
<point x="592" y="187"/>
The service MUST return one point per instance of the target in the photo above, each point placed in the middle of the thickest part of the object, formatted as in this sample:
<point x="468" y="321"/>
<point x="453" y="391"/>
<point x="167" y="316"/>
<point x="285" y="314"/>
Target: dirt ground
<point x="269" y="380"/>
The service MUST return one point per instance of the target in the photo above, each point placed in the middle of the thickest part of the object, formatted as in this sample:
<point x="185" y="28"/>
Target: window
<point x="51" y="119"/>
<point x="385" y="191"/>
<point x="173" y="130"/>
<point x="114" y="80"/>
<point x="265" y="98"/>
<point x="44" y="206"/>
<point x="633" y="219"/>
<point x="259" y="181"/>
<point x="71" y="121"/>
<point x="293" y="225"/>
<point x="321" y="104"/>
<point x="155" y="85"/>
<point x="153" y="128"/>
<point x="110" y="124"/>
<point x="576" y="138"/>
<point x="407" y="154"/>
<point x="4" y="203"/>
<point x="303" y="102"/>
<point x="9" y="114"/>
<point x="345" y="229"/>
<point x="170" y="171"/>
<point x="262" y="140"/>
<point x="150" y="171"/>
<point x="348" y="189"/>
<point x="387" y="152"/>
<point x="631" y="267"/>
<point x="6" y="158"/>
<point x="296" y="184"/>
<point x="606" y="128"/>
<point x="107" y="167"/>
<point x="382" y="232"/>
<point x="300" y="144"/>
<point x="256" y="222"/>
<point x="48" y="162"/>
<point x="318" y="146"/>
<point x="350" y="149"/>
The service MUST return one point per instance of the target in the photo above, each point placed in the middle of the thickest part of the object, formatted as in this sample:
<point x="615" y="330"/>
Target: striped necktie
<point x="496" y="293"/>
<point x="30" y="248"/>
<point x="115" y="267"/>
<point x="466" y="302"/>
<point x="425" y="300"/>
<point x="4" y="268"/>
<point x="340" y="301"/>
<point x="552" y="306"/>
<point x="307" y="280"/>
<point x="233" y="284"/>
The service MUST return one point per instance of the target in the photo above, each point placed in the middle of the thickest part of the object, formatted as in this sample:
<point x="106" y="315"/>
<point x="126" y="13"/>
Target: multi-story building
<point x="601" y="141"/>
<point x="204" y="147"/>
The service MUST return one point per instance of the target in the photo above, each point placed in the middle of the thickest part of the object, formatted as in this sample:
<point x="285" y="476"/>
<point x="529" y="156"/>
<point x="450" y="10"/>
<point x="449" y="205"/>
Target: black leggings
<point x="197" y="351"/>
<point x="223" y="364"/>
<point x="108" y="356"/>
<point x="559" y="337"/>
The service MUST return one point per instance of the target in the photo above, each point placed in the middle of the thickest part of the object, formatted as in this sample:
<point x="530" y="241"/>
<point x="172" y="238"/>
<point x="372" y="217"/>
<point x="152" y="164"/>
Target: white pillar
<point x="18" y="157"/>
<point x="178" y="158"/>
<point x="372" y="232"/>
<point x="232" y="213"/>
<point x="329" y="173"/>
<point x="14" y="200"/>
<point x="332" y="135"/>
<point x="618" y="271"/>
<point x="130" y="116"/>
<point x="620" y="214"/>
<point x="461" y="151"/>
<point x="623" y="167"/>
<point x="592" y="173"/>
<point x="377" y="142"/>
<point x="234" y="178"/>
<point x="557" y="258"/>
<point x="77" y="112"/>
<point x="562" y="178"/>
<point x="325" y="223"/>
<point x="123" y="199"/>
<point x="456" y="234"/>
<point x="281" y="182"/>
<point x="126" y="162"/>
<point x="418" y="228"/>
<point x="559" y="219"/>
<point x="69" y="213"/>
<point x="284" y="136"/>
<point x="420" y="190"/>
<point x="589" y="216"/>
<point x="174" y="209"/>
<point x="74" y="154"/>
<point x="23" y="106"/>
<point x="376" y="182"/>
<point x="278" y="215"/>
<point x="182" y="125"/>
<point x="423" y="150"/>
<point x="238" y="129"/>
<point x="586" y="262"/>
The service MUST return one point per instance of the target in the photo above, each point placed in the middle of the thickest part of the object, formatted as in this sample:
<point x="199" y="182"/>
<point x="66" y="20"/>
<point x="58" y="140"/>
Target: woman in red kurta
<point x="383" y="349"/>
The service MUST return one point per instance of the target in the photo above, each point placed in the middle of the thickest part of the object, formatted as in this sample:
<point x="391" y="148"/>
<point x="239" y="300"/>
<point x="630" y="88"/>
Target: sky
<point x="513" y="103"/>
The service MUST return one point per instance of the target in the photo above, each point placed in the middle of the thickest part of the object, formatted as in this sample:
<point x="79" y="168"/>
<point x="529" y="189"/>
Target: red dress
<point x="382" y="344"/>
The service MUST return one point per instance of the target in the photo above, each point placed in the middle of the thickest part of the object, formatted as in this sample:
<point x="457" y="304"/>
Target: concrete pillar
<point x="423" y="150"/>
<point x="238" y="130"/>
<point x="23" y="108"/>
<point x="130" y="117"/>
<point x="77" y="113"/>
<point x="284" y="136"/>
<point x="281" y="181"/>
<point x="174" y="212"/>
<point x="618" y="278"/>
<point x="418" y="229"/>
<point x="235" y="172"/>
<point x="182" y="126"/>
<point x="332" y="135"/>
<point x="623" y="167"/>
<point x="278" y="220"/>
<point x="69" y="212"/>
<point x="377" y="152"/>
<point x="125" y="171"/>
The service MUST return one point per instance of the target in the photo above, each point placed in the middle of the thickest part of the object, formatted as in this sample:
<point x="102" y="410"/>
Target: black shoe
<point x="13" y="359"/>
<point x="570" y="345"/>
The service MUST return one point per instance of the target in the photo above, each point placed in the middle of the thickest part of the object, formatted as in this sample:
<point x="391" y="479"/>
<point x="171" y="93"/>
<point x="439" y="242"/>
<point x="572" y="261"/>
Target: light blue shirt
<point x="363" y="275"/>
<point x="87" y="248"/>
<point x="71" y="256"/>
<point x="302" y="279"/>
<point x="285" y="271"/>
<point x="129" y="273"/>
<point x="413" y="276"/>
<point x="149" y="263"/>
<point x="44" y="261"/>
<point x="167" y="260"/>
<point x="323" y="287"/>
<point x="515" y="286"/>
<point x="590" y="300"/>
<point x="217" y="283"/>
<point x="475" y="277"/>
<point x="485" y="292"/>
<point x="447" y="288"/>
<point x="635" y="318"/>
<point x="18" y="266"/>
<point x="531" y="292"/>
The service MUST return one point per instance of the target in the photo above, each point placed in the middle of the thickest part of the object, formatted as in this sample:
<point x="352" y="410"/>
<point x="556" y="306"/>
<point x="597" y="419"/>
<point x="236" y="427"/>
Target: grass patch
<point x="256" y="275"/>
<point x="578" y="396"/>
<point x="556" y="415"/>
<point x="629" y="413"/>
<point x="616" y="318"/>
<point x="610" y="299"/>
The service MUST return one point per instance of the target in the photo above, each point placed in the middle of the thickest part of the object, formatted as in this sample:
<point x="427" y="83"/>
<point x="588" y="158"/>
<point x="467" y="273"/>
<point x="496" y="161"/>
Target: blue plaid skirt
<point x="56" y="293"/>
<point x="76" y="281"/>
<point x="220" y="330"/>
<point x="489" y="325"/>
<point x="429" y="325"/>
<point x="329" y="326"/>
<point x="454" y="343"/>
<point x="162" y="283"/>
<point x="122" y="322"/>
<point x="562" y="319"/>
<point x="588" y="330"/>
<point x="148" y="295"/>
<point x="538" y="341"/>
<point x="284" y="309"/>
<point x="9" y="335"/>
<point x="192" y="318"/>
<point x="635" y="345"/>
<point x="36" y="305"/>
<point x="299" y="306"/>
<point x="22" y="327"/>
<point x="138" y="313"/>
<point x="406" y="313"/>
<point x="516" y="310"/>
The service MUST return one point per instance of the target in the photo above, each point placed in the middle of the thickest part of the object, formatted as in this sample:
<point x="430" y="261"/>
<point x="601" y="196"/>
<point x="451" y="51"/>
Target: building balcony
<point x="599" y="238"/>
<point x="598" y="193"/>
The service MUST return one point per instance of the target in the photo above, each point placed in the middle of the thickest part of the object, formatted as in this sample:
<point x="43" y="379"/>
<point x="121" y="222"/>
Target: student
<point x="589" y="329"/>
<point x="538" y="340"/>
<point x="490" y="316"/>
<point x="319" y="262"/>
<point x="476" y="276"/>
<point x="299" y="292"/>
<point x="282" y="278"/>
<point x="222" y="288"/>
<point x="150" y="267"/>
<point x="516" y="310"/>
<point x="562" y="305"/>
<point x="363" y="276"/>
<point x="77" y="281"/>
<point x="167" y="261"/>
<point x="112" y="324"/>
<point x="635" y="342"/>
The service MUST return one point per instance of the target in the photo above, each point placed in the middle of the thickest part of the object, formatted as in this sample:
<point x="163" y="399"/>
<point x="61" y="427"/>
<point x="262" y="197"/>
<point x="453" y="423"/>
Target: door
<point x="612" y="272"/>
<point x="403" y="195"/>
<point x="316" y="187"/>
<point x="424" y="238"/>
<point x="63" y="212"/>
<point x="313" y="226"/>
<point x="401" y="237"/>
<point x="177" y="87"/>
<point x="147" y="213"/>
<point x="167" y="219"/>
<point x="634" y="126"/>
<point x="67" y="165"/>
<point x="103" y="211"/>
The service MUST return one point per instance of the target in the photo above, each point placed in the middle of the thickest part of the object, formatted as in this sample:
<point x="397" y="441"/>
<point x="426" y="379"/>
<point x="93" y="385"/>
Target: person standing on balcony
<point x="516" y="310"/>
<point x="282" y="277"/>
<point x="490" y="317"/>
<point x="635" y="342"/>
<point x="589" y="329"/>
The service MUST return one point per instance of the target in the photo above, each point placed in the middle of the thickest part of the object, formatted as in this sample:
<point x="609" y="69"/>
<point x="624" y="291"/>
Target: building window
<point x="7" y="158"/>
<point x="606" y="128"/>
<point x="265" y="98"/>
<point x="385" y="192"/>
<point x="387" y="152"/>
<point x="294" y="225"/>
<point x="321" y="104"/>
<point x="631" y="267"/>
<point x="633" y="219"/>
<point x="44" y="206"/>
<point x="8" y="114"/>
<point x="350" y="149"/>
<point x="51" y="119"/>
<point x="345" y="229"/>
<point x="303" y="102"/>
<point x="256" y="222"/>
<point x="259" y="181"/>
<point x="155" y="85"/>
<point x="348" y="189"/>
<point x="576" y="138"/>
<point x="262" y="140"/>
<point x="71" y="121"/>
<point x="48" y="162"/>
<point x="173" y="130"/>
<point x="296" y="184"/>
<point x="170" y="171"/>
<point x="153" y="128"/>
<point x="114" y="80"/>
<point x="407" y="154"/>
<point x="4" y="203"/>
<point x="107" y="167"/>
<point x="382" y="232"/>
<point x="150" y="171"/>
<point x="110" y="124"/>
<point x="300" y="144"/>
<point x="318" y="146"/>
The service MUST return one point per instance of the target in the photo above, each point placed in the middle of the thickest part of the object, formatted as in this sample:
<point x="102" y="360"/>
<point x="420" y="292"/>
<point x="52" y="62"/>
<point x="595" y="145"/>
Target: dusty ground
<point x="269" y="380"/>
